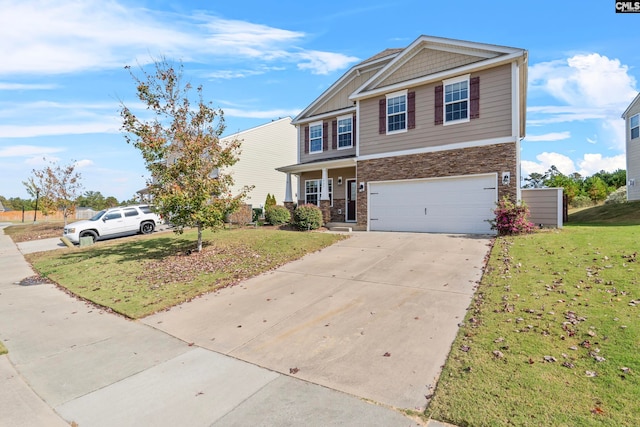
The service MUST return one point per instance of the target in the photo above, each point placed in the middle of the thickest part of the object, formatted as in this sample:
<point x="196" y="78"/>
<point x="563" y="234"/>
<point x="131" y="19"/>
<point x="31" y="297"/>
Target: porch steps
<point x="346" y="227"/>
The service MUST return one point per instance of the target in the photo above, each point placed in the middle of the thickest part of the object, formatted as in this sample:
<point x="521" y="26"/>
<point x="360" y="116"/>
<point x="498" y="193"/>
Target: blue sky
<point x="62" y="73"/>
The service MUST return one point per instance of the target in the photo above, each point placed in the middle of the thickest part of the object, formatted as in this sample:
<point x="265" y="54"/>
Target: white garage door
<point x="443" y="205"/>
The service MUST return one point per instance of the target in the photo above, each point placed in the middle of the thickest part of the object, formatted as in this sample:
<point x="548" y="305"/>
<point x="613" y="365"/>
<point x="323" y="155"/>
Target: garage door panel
<point x="448" y="205"/>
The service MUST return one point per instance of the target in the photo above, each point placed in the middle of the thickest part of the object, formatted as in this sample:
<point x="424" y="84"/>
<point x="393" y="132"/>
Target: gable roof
<point x="635" y="102"/>
<point x="392" y="69"/>
<point x="474" y="57"/>
<point x="369" y="65"/>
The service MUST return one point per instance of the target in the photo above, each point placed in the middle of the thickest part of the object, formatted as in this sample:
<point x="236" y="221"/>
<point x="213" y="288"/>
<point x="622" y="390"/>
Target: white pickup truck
<point x="113" y="222"/>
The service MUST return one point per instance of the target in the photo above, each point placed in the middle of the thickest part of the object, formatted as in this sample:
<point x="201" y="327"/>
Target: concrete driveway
<point x="373" y="316"/>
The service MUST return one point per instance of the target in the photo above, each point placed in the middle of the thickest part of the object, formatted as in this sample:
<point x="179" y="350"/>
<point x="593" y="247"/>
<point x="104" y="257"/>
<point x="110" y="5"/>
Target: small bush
<point x="581" y="201"/>
<point x="618" y="196"/>
<point x="257" y="214"/>
<point x="277" y="215"/>
<point x="307" y="217"/>
<point x="511" y="218"/>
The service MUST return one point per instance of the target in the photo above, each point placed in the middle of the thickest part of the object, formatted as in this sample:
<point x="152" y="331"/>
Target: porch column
<point x="325" y="203"/>
<point x="287" y="190"/>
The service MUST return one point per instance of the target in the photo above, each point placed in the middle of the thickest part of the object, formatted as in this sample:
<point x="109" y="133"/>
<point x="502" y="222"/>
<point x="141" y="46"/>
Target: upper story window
<point x="397" y="112"/>
<point x="345" y="132"/>
<point x="456" y="100"/>
<point x="315" y="137"/>
<point x="634" y="126"/>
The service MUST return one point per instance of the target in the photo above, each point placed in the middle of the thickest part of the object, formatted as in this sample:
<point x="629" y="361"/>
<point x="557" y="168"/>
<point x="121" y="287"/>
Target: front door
<point x="351" y="199"/>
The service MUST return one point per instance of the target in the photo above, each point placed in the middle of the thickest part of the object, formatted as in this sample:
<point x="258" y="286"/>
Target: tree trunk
<point x="199" y="237"/>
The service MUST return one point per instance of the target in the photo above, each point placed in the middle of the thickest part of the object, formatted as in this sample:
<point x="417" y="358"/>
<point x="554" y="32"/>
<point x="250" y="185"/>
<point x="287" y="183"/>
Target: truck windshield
<point x="97" y="216"/>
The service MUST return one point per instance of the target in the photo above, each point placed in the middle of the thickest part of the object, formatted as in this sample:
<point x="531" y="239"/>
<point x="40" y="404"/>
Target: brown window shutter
<point x="474" y="97"/>
<point x="382" y="116"/>
<point x="306" y="139"/>
<point x="353" y="131"/>
<point x="334" y="134"/>
<point x="411" y="110"/>
<point x="325" y="136"/>
<point x="438" y="105"/>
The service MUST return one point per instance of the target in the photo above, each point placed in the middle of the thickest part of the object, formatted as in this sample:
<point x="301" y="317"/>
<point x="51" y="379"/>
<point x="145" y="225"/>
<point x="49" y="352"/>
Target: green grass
<point x="143" y="275"/>
<point x="612" y="214"/>
<point x="3" y="349"/>
<point x="566" y="294"/>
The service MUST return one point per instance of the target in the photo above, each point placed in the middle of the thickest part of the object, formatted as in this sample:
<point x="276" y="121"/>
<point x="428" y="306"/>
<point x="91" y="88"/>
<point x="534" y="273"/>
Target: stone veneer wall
<point x="496" y="158"/>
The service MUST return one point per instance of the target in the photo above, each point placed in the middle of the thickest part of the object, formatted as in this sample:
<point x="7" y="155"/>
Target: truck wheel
<point x="147" y="227"/>
<point x="89" y="233"/>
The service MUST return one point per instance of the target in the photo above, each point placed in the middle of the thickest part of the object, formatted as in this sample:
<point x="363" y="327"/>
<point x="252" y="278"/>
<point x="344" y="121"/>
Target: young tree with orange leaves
<point x="181" y="148"/>
<point x="56" y="187"/>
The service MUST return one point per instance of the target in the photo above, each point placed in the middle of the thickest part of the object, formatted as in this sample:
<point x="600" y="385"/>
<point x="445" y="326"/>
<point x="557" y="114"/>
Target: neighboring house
<point x="263" y="148"/>
<point x="631" y="118"/>
<point x="425" y="138"/>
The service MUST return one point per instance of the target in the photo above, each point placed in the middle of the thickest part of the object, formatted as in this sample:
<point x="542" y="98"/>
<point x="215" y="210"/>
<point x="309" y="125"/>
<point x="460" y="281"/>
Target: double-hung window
<point x="313" y="189"/>
<point x="456" y="100"/>
<point x="397" y="112"/>
<point x="634" y="126"/>
<point x="345" y="132"/>
<point x="315" y="137"/>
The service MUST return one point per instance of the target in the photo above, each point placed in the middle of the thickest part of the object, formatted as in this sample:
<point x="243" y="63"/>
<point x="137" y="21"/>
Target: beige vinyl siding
<point x="494" y="121"/>
<point x="545" y="206"/>
<point x="330" y="153"/>
<point x="339" y="190"/>
<point x="633" y="156"/>
<point x="341" y="99"/>
<point x="429" y="61"/>
<point x="265" y="148"/>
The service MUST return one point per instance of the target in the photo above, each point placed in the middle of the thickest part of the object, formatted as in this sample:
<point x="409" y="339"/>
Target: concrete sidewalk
<point x="70" y="362"/>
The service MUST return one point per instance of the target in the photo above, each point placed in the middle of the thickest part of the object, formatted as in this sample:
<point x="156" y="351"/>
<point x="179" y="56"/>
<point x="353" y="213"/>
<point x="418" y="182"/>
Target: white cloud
<point x="589" y="87"/>
<point x="552" y="136"/>
<point x="253" y="114"/>
<point x="28" y="151"/>
<point x="324" y="62"/>
<point x="545" y="161"/>
<point x="80" y="164"/>
<point x="586" y="166"/>
<point x="67" y="37"/>
<point x="593" y="163"/>
<point x="15" y="131"/>
<point x="26" y="86"/>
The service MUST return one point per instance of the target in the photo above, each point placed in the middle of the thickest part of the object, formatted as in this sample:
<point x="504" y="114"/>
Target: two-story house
<point x="424" y="138"/>
<point x="631" y="118"/>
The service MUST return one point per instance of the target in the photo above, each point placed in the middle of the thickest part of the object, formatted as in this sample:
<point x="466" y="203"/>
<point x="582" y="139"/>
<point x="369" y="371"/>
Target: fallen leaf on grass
<point x="550" y="359"/>
<point x="625" y="370"/>
<point x="591" y="374"/>
<point x="597" y="411"/>
<point x="498" y="354"/>
<point x="568" y="365"/>
<point x="465" y="348"/>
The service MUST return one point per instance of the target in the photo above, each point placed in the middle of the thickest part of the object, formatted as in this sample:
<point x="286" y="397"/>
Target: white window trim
<point x="631" y="128"/>
<point x="406" y="114"/>
<point x="319" y="190"/>
<point x="346" y="147"/>
<point x="320" y="123"/>
<point x="451" y="81"/>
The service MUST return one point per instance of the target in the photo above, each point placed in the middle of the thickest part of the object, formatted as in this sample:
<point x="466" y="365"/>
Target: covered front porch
<point x="328" y="184"/>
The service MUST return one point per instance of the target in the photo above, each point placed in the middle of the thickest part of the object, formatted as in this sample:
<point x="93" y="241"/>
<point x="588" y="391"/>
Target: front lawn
<point x="145" y="274"/>
<point x="553" y="334"/>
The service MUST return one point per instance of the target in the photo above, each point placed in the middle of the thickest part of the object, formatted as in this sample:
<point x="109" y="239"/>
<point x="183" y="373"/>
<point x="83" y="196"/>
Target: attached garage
<point x="438" y="205"/>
